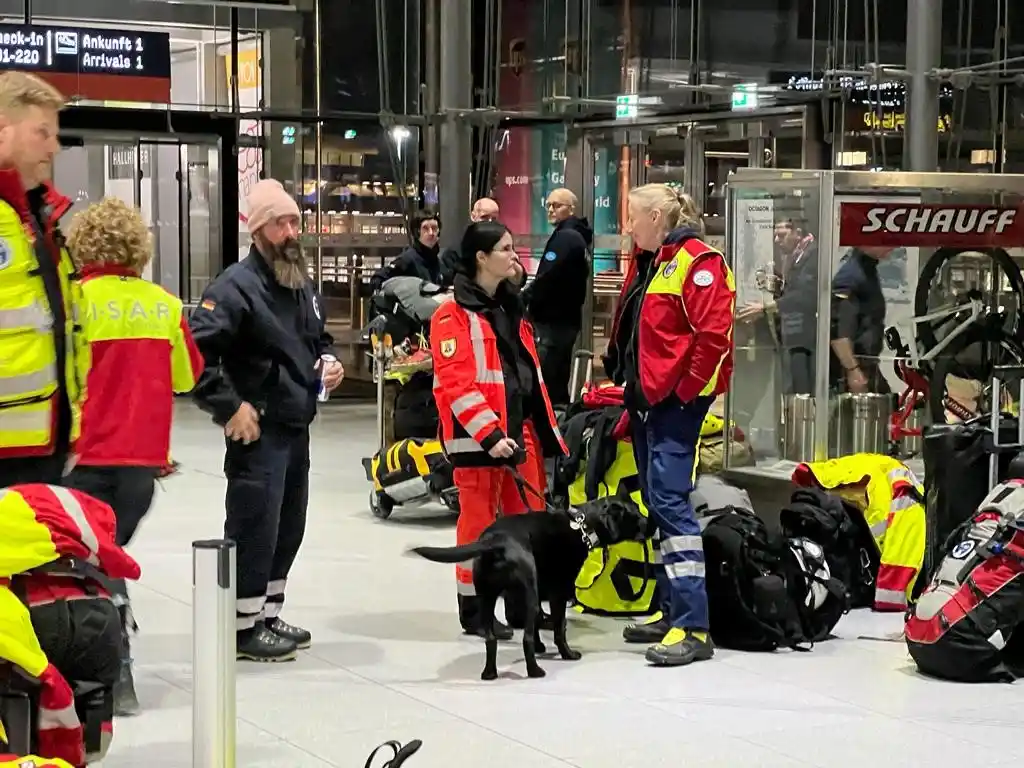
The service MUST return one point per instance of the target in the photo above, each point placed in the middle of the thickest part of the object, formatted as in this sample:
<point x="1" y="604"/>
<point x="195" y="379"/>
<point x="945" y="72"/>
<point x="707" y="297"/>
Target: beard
<point x="287" y="260"/>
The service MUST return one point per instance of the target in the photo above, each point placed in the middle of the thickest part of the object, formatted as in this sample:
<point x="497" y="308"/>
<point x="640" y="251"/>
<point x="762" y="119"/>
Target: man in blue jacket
<point x="261" y="329"/>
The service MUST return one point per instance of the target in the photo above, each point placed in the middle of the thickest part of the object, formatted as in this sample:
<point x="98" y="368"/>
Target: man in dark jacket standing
<point x="422" y="259"/>
<point x="261" y="329"/>
<point x="555" y="298"/>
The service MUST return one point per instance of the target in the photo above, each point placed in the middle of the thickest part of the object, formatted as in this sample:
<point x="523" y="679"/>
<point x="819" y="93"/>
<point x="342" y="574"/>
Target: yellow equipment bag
<point x="404" y="461"/>
<point x="619" y="580"/>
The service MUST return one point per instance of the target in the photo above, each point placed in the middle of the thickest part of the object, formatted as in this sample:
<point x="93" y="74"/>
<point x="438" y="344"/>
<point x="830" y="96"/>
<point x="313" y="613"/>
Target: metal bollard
<point x="213" y="654"/>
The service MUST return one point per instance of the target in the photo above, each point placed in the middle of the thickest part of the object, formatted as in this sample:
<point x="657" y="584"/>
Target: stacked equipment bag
<point x="962" y="626"/>
<point x="777" y="588"/>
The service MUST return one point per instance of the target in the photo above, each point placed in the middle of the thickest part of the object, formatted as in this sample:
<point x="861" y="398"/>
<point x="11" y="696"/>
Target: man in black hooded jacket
<point x="555" y="297"/>
<point x="422" y="259"/>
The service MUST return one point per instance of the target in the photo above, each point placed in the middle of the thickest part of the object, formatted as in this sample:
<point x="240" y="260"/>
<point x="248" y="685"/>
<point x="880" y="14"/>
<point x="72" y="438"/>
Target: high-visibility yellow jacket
<point x="29" y="380"/>
<point x="893" y="505"/>
<point x="618" y="580"/>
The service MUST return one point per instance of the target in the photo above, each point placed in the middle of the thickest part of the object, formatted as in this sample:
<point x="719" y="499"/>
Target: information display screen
<point x="83" y="61"/>
<point x="73" y="50"/>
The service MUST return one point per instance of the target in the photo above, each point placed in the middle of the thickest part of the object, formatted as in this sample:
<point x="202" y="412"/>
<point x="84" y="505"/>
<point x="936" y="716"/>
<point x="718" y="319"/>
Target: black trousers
<point x="798" y="369"/>
<point x="268" y="490"/>
<point x="128" y="490"/>
<point x="554" y="348"/>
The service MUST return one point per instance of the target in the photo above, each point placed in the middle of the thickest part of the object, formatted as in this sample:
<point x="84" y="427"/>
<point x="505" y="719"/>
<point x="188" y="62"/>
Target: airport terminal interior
<point x="808" y="126"/>
<point x="388" y="660"/>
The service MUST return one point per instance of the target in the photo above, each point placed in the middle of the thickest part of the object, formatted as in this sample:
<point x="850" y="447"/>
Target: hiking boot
<point x="301" y="637"/>
<point x="680" y="647"/>
<point x="260" y="644"/>
<point x="126" y="702"/>
<point x="650" y="630"/>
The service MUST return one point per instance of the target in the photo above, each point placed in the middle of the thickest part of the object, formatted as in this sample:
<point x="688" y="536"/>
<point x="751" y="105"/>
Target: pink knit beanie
<point x="267" y="201"/>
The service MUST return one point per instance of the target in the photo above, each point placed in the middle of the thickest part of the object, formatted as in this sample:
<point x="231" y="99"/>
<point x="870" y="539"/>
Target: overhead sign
<point x="744" y="96"/>
<point x="930" y="225"/>
<point x="627" y="106"/>
<point x="101" y="64"/>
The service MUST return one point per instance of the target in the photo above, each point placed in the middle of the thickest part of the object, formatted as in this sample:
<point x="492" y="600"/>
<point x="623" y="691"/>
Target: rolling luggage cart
<point x="410" y="471"/>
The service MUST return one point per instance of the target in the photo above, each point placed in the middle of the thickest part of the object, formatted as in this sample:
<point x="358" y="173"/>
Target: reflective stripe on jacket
<point x="29" y="379"/>
<point x="136" y="352"/>
<point x="40" y="524"/>
<point x="469" y="385"/>
<point x="686" y="324"/>
<point x="895" y="514"/>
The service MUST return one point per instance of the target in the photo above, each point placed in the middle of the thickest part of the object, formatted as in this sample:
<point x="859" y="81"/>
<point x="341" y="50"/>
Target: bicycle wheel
<point x="1008" y="318"/>
<point x="961" y="380"/>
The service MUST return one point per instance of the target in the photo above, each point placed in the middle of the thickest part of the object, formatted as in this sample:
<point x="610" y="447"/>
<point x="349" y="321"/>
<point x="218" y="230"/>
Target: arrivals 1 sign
<point x="930" y="225"/>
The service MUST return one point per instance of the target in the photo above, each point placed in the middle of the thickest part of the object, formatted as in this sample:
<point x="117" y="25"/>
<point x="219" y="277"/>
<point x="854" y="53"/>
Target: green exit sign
<point x="744" y="96"/>
<point x="626" y="106"/>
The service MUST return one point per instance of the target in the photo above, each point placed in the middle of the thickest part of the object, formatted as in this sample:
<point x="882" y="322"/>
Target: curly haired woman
<point x="135" y="352"/>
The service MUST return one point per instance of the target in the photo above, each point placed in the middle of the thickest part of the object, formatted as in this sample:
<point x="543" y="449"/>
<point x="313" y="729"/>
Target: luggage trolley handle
<point x="1001" y="373"/>
<point x="586" y="357"/>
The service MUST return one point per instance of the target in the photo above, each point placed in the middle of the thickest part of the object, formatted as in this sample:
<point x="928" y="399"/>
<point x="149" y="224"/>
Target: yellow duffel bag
<point x="619" y="580"/>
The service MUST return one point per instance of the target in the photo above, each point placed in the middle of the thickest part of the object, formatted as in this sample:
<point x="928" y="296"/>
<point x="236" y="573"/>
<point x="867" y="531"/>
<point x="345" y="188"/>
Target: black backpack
<point x="841" y="531"/>
<point x="759" y="589"/>
<point x="748" y="598"/>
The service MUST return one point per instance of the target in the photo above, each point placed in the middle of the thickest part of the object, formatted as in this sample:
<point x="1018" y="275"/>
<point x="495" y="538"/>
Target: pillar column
<point x="455" y="93"/>
<point x="282" y="92"/>
<point x="924" y="54"/>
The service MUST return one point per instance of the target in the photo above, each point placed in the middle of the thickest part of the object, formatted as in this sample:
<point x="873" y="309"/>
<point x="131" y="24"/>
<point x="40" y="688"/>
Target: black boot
<point x="126" y="702"/>
<point x="301" y="637"/>
<point x="469" y="617"/>
<point x="260" y="644"/>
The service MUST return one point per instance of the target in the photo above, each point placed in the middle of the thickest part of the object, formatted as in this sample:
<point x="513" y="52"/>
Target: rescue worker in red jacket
<point x="135" y="351"/>
<point x="494" y="408"/>
<point x="679" y="360"/>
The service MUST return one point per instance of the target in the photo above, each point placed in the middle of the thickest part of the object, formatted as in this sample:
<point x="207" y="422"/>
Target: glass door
<point x="200" y="256"/>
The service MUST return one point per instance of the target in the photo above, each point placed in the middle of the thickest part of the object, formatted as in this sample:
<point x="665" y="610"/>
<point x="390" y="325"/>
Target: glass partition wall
<point x="789" y="235"/>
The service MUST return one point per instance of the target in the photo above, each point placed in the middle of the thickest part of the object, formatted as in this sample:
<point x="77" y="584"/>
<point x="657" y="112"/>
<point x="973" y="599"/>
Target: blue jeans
<point x="665" y="449"/>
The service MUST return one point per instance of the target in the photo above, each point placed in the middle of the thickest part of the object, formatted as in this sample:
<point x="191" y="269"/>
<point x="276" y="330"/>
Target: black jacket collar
<point x="469" y="295"/>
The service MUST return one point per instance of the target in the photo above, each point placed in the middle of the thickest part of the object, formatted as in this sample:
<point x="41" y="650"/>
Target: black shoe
<point x="680" y="647"/>
<point x="126" y="702"/>
<point x="260" y="644"/>
<point x="301" y="637"/>
<point x="651" y="630"/>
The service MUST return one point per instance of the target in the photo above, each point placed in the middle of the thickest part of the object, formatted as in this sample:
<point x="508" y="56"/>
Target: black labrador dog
<point x="537" y="557"/>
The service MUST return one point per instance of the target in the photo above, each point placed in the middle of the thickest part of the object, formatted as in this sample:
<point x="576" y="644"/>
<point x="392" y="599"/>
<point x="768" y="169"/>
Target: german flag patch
<point x="207" y="304"/>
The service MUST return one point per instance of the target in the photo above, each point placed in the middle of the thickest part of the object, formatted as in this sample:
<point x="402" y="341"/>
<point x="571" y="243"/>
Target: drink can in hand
<point x="322" y="395"/>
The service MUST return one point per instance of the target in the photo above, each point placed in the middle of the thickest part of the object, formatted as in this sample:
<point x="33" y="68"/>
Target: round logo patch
<point x="550" y="256"/>
<point x="6" y="256"/>
<point x="963" y="549"/>
<point x="316" y="308"/>
<point x="670" y="268"/>
<point x="703" y="278"/>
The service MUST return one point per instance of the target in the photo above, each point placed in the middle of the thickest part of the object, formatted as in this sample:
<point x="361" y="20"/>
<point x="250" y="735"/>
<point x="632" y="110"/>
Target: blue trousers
<point x="665" y="449"/>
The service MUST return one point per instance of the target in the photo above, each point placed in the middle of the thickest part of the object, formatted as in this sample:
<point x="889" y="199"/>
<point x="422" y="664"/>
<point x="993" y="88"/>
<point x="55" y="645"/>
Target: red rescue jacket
<point x="469" y="386"/>
<point x="137" y="351"/>
<point x="53" y="524"/>
<point x="686" y="322"/>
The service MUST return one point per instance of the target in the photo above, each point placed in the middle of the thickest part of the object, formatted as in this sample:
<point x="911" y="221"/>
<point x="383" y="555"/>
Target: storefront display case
<point x="788" y="234"/>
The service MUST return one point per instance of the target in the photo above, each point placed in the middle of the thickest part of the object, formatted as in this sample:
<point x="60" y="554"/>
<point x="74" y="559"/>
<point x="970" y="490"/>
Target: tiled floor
<point x="388" y="662"/>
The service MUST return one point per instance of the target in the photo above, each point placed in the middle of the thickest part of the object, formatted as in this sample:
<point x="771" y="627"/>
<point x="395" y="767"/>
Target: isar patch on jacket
<point x="208" y="305"/>
<point x="6" y="254"/>
<point x="703" y="278"/>
<point x="448" y="347"/>
<point x="670" y="268"/>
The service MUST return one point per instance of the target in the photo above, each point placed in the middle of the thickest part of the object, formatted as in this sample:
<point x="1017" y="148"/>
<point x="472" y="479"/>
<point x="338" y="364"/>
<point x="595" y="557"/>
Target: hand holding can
<point x="323" y="394"/>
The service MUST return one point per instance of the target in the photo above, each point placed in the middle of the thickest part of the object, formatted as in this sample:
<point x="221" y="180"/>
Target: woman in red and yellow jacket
<point x="135" y="352"/>
<point x="679" y="359"/>
<point x="490" y="396"/>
